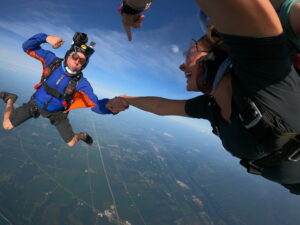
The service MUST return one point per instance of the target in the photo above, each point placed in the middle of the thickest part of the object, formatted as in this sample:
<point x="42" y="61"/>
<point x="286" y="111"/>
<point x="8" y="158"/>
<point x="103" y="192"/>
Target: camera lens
<point x="80" y="38"/>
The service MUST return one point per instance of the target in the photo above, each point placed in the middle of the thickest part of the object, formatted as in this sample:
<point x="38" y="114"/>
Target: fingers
<point x="128" y="32"/>
<point x="139" y="21"/>
<point x="127" y="23"/>
<point x="58" y="43"/>
<point x="117" y="105"/>
<point x="123" y="102"/>
<point x="54" y="41"/>
<point x="135" y="21"/>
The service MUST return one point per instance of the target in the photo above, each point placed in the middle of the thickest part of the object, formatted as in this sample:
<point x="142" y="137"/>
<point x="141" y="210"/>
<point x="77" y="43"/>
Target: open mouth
<point x="187" y="75"/>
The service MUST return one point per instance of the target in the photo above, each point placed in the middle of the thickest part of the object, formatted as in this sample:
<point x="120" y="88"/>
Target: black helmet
<point x="79" y="45"/>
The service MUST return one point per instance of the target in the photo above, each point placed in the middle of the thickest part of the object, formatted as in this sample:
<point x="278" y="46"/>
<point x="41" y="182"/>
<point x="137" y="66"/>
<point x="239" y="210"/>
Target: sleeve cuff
<point x="43" y="37"/>
<point x="101" y="107"/>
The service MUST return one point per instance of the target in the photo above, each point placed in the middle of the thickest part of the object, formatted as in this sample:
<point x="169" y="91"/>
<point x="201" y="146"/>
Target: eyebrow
<point x="185" y="53"/>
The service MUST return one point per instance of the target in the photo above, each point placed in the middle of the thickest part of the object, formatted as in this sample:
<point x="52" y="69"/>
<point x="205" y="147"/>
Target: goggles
<point x="75" y="56"/>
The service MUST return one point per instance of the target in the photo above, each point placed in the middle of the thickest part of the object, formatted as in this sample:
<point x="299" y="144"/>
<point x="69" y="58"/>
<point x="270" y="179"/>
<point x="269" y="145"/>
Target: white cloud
<point x="104" y="91"/>
<point x="114" y="55"/>
<point x="168" y="135"/>
<point x="197" y="201"/>
<point x="26" y="29"/>
<point x="202" y="126"/>
<point x="174" y="48"/>
<point x="183" y="185"/>
<point x="18" y="61"/>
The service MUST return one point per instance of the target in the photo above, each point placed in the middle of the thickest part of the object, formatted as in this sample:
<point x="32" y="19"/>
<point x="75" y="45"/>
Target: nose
<point x="182" y="67"/>
<point x="77" y="60"/>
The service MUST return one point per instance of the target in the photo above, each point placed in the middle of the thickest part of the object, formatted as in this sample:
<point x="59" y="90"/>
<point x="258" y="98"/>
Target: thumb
<point x="141" y="17"/>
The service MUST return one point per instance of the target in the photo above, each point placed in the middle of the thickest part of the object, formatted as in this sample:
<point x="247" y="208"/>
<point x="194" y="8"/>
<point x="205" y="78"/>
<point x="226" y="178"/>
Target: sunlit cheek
<point x="199" y="68"/>
<point x="69" y="63"/>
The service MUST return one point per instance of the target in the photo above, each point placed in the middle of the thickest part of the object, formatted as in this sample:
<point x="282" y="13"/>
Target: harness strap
<point x="51" y="67"/>
<point x="47" y="71"/>
<point x="256" y="119"/>
<point x="289" y="151"/>
<point x="70" y="89"/>
<point x="52" y="91"/>
<point x="213" y="110"/>
<point x="269" y="132"/>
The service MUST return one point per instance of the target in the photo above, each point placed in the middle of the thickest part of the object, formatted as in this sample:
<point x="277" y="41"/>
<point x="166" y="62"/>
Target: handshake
<point x="117" y="104"/>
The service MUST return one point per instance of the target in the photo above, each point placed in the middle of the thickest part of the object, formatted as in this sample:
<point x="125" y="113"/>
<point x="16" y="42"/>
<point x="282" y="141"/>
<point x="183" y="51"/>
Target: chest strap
<point x="48" y="71"/>
<point x="270" y="133"/>
<point x="213" y="112"/>
<point x="289" y="151"/>
<point x="69" y="90"/>
<point x="257" y="120"/>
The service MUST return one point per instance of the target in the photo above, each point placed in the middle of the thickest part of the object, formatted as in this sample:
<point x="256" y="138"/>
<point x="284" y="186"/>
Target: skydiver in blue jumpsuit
<point x="61" y="89"/>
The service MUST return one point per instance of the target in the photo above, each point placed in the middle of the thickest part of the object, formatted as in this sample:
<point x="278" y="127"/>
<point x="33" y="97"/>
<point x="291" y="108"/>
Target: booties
<point x="5" y="96"/>
<point x="87" y="138"/>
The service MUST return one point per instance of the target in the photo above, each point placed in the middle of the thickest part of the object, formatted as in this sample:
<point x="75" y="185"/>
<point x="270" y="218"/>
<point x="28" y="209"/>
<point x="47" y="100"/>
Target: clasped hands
<point x="117" y="104"/>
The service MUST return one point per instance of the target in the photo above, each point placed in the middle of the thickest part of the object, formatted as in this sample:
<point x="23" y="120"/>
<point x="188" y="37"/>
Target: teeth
<point x="188" y="74"/>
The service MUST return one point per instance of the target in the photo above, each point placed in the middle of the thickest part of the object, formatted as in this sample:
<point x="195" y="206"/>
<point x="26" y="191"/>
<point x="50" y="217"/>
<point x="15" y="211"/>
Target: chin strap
<point x="69" y="71"/>
<point x="214" y="64"/>
<point x="223" y="68"/>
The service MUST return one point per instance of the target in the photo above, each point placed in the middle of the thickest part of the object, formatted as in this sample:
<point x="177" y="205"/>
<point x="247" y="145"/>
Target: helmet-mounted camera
<point x="80" y="38"/>
<point x="79" y="45"/>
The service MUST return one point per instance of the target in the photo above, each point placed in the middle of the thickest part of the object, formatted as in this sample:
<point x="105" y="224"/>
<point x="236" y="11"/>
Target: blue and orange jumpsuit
<point x="52" y="107"/>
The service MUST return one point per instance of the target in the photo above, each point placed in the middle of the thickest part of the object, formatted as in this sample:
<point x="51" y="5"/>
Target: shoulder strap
<point x="289" y="151"/>
<point x="257" y="123"/>
<point x="70" y="89"/>
<point x="248" y="111"/>
<point x="213" y="111"/>
<point x="48" y="71"/>
<point x="51" y="68"/>
<point x="257" y="119"/>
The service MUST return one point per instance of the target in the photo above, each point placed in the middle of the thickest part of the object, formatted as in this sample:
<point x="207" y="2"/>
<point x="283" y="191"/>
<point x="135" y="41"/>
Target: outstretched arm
<point x="157" y="105"/>
<point x="255" y="18"/>
<point x="84" y="97"/>
<point x="116" y="105"/>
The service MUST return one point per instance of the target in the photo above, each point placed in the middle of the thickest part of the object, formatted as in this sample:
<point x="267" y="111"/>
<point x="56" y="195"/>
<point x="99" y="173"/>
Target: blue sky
<point x="146" y="66"/>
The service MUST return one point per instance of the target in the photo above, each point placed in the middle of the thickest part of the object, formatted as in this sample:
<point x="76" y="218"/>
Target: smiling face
<point x="192" y="67"/>
<point x="75" y="61"/>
